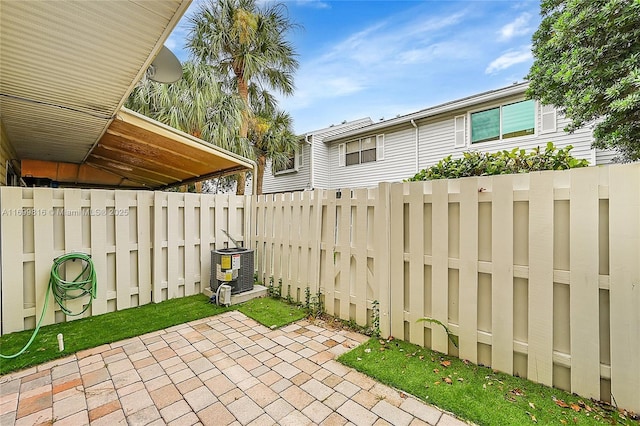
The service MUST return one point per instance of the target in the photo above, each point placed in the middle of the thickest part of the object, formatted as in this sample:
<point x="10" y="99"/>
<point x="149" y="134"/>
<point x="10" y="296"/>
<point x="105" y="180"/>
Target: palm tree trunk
<point x="261" y="161"/>
<point x="243" y="91"/>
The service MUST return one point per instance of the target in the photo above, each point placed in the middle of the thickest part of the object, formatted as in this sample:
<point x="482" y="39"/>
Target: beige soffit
<point x="66" y="68"/>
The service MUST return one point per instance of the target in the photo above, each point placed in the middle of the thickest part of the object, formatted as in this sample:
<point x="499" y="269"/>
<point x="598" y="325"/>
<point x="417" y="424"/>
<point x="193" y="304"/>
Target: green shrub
<point x="474" y="163"/>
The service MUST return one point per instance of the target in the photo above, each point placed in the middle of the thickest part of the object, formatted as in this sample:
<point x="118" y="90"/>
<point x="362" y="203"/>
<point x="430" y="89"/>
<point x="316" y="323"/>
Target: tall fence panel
<point x="285" y="236"/>
<point x="145" y="246"/>
<point x="536" y="274"/>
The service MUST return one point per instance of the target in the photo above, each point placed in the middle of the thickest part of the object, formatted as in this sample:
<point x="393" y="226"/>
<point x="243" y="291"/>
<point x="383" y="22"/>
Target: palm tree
<point x="246" y="45"/>
<point x="195" y="104"/>
<point x="271" y="136"/>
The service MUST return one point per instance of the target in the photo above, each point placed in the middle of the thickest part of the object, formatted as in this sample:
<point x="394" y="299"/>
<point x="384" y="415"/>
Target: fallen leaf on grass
<point x="445" y="363"/>
<point x="532" y="405"/>
<point x="421" y="357"/>
<point x="575" y="408"/>
<point x="368" y="350"/>
<point x="460" y="379"/>
<point x="448" y="380"/>
<point x="436" y="383"/>
<point x="560" y="403"/>
<point x="516" y="392"/>
<point x="435" y="370"/>
<point x="533" y="418"/>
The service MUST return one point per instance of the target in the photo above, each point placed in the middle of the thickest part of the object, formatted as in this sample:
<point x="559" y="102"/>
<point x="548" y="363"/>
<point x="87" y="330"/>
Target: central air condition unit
<point x="233" y="267"/>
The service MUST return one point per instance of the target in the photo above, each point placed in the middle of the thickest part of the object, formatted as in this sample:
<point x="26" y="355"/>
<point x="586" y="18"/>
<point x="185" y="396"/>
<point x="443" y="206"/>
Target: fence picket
<point x="43" y="231"/>
<point x="144" y="201"/>
<point x="190" y="202"/>
<point x="584" y="289"/>
<point x="158" y="239"/>
<point x="624" y="293"/>
<point x="73" y="243"/>
<point x="329" y="244"/>
<point x="416" y="262"/>
<point x="540" y="349"/>
<point x="440" y="268"/>
<point x="396" y="261"/>
<point x="468" y="316"/>
<point x="502" y="273"/>
<point x="358" y="287"/>
<point x="343" y="247"/>
<point x="11" y="234"/>
<point x="123" y="261"/>
<point x="382" y="223"/>
<point x="205" y="241"/>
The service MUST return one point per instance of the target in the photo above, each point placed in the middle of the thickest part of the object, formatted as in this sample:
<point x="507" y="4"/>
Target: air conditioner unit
<point x="233" y="267"/>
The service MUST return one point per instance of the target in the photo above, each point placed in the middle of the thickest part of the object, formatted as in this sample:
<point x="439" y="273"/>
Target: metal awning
<point x="66" y="69"/>
<point x="138" y="152"/>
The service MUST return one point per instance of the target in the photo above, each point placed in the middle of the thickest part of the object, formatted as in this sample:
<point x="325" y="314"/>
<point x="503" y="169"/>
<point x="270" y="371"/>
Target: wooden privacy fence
<point x="537" y="274"/>
<point x="146" y="246"/>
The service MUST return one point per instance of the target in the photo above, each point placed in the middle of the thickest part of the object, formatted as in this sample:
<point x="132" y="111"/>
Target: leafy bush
<point x="474" y="163"/>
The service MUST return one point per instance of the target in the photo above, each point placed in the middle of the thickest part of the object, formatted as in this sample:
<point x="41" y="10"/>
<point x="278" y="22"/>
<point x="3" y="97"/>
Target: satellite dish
<point x="165" y="68"/>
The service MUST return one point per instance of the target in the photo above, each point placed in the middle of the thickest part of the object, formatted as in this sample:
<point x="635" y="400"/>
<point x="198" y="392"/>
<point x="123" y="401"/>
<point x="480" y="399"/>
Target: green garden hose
<point x="82" y="285"/>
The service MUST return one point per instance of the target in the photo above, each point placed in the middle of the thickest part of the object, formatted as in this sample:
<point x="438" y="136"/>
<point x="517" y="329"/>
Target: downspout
<point x="415" y="126"/>
<point x="311" y="171"/>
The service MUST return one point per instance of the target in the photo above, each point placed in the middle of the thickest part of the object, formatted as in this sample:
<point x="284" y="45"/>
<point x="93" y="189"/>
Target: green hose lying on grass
<point x="82" y="285"/>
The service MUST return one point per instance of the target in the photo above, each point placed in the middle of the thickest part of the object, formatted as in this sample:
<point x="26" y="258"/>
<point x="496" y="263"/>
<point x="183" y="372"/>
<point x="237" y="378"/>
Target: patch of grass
<point x="473" y="392"/>
<point x="94" y="331"/>
<point x="271" y="312"/>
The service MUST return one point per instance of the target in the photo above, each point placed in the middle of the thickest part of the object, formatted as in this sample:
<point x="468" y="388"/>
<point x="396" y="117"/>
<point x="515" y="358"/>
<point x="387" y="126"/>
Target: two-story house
<point x="363" y="153"/>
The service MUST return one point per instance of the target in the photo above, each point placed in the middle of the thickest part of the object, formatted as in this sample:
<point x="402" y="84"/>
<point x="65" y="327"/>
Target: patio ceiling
<point x="66" y="69"/>
<point x="139" y="152"/>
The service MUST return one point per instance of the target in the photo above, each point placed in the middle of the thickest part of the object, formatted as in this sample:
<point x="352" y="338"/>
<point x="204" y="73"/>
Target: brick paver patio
<point x="222" y="370"/>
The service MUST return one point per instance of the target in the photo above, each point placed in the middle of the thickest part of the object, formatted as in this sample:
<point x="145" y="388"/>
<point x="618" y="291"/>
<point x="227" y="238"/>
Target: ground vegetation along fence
<point x="537" y="274"/>
<point x="146" y="246"/>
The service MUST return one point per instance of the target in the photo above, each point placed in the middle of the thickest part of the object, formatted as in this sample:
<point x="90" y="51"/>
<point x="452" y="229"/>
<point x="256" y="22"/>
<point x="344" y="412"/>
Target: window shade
<point x="485" y="125"/>
<point x="518" y="119"/>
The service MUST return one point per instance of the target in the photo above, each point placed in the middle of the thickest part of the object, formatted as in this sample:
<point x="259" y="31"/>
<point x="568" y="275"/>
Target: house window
<point x="503" y="122"/>
<point x="294" y="163"/>
<point x="365" y="150"/>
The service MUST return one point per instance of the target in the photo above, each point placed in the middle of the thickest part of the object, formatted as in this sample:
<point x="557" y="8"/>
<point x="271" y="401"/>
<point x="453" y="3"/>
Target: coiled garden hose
<point x="85" y="283"/>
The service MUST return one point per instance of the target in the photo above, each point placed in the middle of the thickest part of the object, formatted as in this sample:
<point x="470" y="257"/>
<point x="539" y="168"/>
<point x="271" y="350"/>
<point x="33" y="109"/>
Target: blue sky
<point x="381" y="59"/>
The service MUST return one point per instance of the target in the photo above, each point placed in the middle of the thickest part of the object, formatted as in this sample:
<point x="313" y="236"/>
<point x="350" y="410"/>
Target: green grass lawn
<point x="94" y="331"/>
<point x="472" y="392"/>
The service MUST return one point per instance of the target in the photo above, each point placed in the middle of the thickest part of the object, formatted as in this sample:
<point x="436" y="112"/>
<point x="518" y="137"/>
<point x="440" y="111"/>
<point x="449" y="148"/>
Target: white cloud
<point x="317" y="4"/>
<point x="508" y="59"/>
<point x="519" y="26"/>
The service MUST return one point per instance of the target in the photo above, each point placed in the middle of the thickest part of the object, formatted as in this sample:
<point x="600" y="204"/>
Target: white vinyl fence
<point x="146" y="246"/>
<point x="537" y="274"/>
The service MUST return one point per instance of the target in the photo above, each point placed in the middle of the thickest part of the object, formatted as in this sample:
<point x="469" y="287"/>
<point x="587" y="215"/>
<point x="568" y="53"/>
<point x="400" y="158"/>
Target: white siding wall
<point x="399" y="163"/>
<point x="605" y="156"/>
<point x="437" y="139"/>
<point x="302" y="179"/>
<point x="322" y="156"/>
<point x="292" y="181"/>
